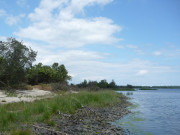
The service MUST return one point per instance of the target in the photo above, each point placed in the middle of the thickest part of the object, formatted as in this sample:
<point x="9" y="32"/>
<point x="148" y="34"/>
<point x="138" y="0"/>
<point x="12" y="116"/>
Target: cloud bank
<point x="58" y="23"/>
<point x="59" y="29"/>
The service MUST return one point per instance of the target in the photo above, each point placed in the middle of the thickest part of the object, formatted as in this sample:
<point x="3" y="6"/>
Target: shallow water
<point x="155" y="112"/>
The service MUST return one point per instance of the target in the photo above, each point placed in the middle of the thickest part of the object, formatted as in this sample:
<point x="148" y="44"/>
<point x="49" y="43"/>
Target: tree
<point x="84" y="84"/>
<point x="129" y="86"/>
<point x="47" y="74"/>
<point x="112" y="84"/>
<point x="2" y="71"/>
<point x="55" y="66"/>
<point x="62" y="74"/>
<point x="103" y="84"/>
<point x="14" y="59"/>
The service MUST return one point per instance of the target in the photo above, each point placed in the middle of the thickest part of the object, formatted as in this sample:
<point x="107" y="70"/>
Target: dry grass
<point x="39" y="86"/>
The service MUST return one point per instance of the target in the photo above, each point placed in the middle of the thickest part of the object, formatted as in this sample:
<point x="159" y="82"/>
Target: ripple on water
<point x="154" y="113"/>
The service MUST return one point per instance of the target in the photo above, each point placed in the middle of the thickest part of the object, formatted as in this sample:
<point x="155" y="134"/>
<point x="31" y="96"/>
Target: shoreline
<point x="88" y="120"/>
<point x="72" y="113"/>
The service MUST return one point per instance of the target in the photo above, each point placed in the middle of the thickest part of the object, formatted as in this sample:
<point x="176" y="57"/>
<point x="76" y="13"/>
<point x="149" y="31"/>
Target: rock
<point x="91" y="121"/>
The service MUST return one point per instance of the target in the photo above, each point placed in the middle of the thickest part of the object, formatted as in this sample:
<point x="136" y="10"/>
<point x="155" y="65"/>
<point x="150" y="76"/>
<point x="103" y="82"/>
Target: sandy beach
<point x="25" y="96"/>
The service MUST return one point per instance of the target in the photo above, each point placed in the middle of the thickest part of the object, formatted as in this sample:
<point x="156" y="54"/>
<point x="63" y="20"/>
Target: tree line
<point x="103" y="84"/>
<point x="16" y="66"/>
<point x="16" y="69"/>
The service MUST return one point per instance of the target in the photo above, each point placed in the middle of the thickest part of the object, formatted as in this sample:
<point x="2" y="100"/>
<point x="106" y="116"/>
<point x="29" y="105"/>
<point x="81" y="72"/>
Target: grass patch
<point x="13" y="115"/>
<point x="21" y="132"/>
<point x="42" y="87"/>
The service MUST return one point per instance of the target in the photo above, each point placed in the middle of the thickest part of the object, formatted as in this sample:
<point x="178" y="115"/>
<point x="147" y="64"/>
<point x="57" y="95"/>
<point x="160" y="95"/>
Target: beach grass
<point x="14" y="115"/>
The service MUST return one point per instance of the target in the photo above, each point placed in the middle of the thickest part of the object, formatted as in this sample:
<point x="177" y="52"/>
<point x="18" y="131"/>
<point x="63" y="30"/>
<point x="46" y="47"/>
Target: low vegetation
<point x="13" y="116"/>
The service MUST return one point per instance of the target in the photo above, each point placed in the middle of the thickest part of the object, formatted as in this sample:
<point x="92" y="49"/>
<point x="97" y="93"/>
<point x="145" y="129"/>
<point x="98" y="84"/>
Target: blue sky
<point x="131" y="41"/>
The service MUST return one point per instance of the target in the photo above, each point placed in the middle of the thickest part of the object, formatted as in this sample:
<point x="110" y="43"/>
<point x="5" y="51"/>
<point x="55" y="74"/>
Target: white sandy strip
<point x="26" y="96"/>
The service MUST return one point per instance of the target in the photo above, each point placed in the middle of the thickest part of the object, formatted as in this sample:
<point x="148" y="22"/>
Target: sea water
<point x="154" y="112"/>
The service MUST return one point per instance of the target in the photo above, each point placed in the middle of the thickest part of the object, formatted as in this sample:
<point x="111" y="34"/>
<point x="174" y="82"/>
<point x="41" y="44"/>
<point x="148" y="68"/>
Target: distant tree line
<point x="103" y="84"/>
<point x="163" y="87"/>
<point x="16" y="66"/>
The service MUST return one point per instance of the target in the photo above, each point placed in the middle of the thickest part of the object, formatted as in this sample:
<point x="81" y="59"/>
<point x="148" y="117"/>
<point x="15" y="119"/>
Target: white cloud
<point x="139" y="51"/>
<point x="157" y="53"/>
<point x="120" y="46"/>
<point x="132" y="46"/>
<point x="2" y="12"/>
<point x="48" y="55"/>
<point x="77" y="6"/>
<point x="142" y="72"/>
<point x="12" y="20"/>
<point x="55" y="22"/>
<point x="89" y="65"/>
<point x="22" y="3"/>
<point x="2" y="38"/>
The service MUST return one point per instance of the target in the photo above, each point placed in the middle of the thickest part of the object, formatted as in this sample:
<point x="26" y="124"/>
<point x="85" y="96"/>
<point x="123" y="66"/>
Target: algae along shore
<point x="73" y="113"/>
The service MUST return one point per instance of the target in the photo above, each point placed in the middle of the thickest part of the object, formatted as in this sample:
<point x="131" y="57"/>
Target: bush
<point x="60" y="86"/>
<point x="47" y="74"/>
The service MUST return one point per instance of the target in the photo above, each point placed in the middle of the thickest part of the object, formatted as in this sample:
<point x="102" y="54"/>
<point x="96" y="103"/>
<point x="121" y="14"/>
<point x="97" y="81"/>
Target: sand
<point x="25" y="95"/>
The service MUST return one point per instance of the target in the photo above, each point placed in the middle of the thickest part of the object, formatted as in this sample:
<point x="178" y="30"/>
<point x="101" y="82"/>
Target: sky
<point x="131" y="41"/>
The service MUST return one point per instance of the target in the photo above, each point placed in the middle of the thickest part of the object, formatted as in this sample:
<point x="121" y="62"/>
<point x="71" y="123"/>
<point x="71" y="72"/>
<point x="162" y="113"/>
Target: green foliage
<point x="14" y="59"/>
<point x="112" y="84"/>
<point x="94" y="85"/>
<point x="103" y="84"/>
<point x="16" y="67"/>
<point x="60" y="86"/>
<point x="47" y="74"/>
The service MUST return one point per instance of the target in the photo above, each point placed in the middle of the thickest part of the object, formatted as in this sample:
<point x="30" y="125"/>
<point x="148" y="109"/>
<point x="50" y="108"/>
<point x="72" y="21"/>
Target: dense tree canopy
<point x="103" y="84"/>
<point x="16" y="66"/>
<point x="14" y="59"/>
<point x="47" y="74"/>
<point x="95" y="84"/>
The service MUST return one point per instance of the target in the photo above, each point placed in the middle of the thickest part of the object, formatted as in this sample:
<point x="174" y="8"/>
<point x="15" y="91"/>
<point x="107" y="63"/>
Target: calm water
<point x="155" y="112"/>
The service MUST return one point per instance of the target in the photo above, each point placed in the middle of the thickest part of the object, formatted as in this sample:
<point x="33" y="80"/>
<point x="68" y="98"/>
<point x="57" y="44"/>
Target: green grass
<point x="13" y="115"/>
<point x="21" y="132"/>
